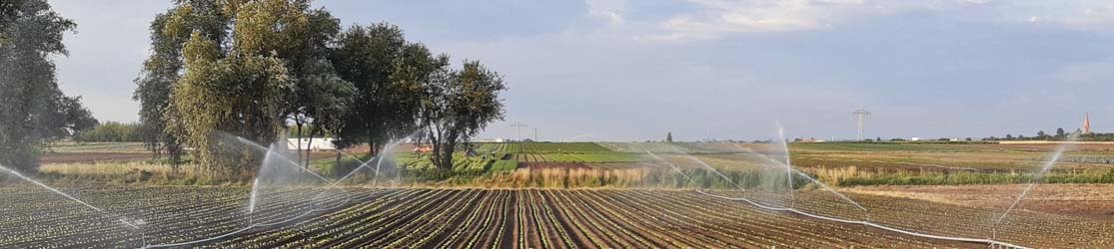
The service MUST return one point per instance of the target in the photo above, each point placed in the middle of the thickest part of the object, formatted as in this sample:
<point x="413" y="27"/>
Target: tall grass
<point x="852" y="176"/>
<point x="131" y="172"/>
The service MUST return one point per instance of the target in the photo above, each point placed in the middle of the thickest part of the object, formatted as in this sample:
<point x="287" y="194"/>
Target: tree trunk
<point x="309" y="144"/>
<point x="299" y="150"/>
<point x="337" y="164"/>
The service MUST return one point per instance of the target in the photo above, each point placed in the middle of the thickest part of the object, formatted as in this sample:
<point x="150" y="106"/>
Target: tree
<point x="1041" y="135"/>
<point x="32" y="107"/>
<point x="1060" y="133"/>
<point x="387" y="73"/>
<point x="243" y="94"/>
<point x="457" y="105"/>
<point x="162" y="68"/>
<point x="669" y="137"/>
<point x="324" y="99"/>
<point x="241" y="67"/>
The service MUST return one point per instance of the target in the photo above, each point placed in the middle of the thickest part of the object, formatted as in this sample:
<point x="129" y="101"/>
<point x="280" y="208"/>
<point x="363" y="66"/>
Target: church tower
<point x="1087" y="123"/>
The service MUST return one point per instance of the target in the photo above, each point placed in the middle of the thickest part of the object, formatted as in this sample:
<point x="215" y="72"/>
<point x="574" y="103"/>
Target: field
<point x="585" y="195"/>
<point x="489" y="218"/>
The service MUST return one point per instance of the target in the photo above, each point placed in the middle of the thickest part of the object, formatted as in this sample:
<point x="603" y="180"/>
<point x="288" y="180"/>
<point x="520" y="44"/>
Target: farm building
<point x="317" y="144"/>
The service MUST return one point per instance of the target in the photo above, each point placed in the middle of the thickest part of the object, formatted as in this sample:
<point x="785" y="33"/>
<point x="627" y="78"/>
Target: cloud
<point x="610" y="10"/>
<point x="723" y="17"/>
<point x="712" y="19"/>
<point x="1099" y="17"/>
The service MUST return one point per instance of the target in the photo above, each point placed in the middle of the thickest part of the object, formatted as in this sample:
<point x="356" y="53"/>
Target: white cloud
<point x="716" y="18"/>
<point x="1091" y="17"/>
<point x="610" y="10"/>
<point x="722" y="17"/>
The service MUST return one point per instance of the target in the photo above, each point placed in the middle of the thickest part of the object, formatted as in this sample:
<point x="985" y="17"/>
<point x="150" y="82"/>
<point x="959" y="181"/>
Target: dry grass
<point x="564" y="178"/>
<point x="128" y="172"/>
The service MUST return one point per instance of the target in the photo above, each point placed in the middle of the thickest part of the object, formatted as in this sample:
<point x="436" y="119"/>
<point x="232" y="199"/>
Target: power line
<point x="518" y="129"/>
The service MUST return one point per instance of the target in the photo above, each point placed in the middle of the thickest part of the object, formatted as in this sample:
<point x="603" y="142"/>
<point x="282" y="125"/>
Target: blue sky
<point x="634" y="70"/>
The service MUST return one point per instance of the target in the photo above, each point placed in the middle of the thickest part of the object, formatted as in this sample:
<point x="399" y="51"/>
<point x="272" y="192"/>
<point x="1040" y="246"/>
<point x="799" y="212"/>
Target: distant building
<point x="810" y="140"/>
<point x="425" y="148"/>
<point x="914" y="139"/>
<point x="1087" y="123"/>
<point x="317" y="144"/>
<point x="489" y="140"/>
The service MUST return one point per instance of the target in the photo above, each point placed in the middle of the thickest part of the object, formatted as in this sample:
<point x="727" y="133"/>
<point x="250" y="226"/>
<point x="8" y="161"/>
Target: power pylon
<point x="518" y="129"/>
<point x="861" y="115"/>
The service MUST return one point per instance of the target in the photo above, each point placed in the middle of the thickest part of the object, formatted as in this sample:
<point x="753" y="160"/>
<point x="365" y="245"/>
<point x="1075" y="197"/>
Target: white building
<point x="318" y="143"/>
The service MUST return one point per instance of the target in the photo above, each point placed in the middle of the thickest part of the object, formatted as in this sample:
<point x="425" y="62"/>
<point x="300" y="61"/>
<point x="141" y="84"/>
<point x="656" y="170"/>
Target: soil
<point x="1094" y="201"/>
<point x="88" y="157"/>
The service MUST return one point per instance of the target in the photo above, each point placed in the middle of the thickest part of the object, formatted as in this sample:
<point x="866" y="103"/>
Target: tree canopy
<point x="251" y="68"/>
<point x="33" y="109"/>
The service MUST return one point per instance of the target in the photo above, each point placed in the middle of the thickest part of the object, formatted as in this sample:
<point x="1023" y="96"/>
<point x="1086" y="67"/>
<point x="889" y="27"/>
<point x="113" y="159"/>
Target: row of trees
<point x="32" y="108"/>
<point x="251" y="68"/>
<point x="111" y="132"/>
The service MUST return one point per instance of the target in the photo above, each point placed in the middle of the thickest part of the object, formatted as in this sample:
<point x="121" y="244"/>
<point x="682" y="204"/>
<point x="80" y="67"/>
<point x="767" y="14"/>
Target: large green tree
<point x="271" y="67"/>
<point x="456" y="105"/>
<point x="32" y="108"/>
<point x="241" y="94"/>
<point x="388" y="73"/>
<point x="164" y="66"/>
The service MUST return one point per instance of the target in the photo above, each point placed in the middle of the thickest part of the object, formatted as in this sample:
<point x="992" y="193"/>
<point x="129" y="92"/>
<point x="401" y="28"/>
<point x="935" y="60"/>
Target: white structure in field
<point x="317" y="144"/>
<point x="488" y="140"/>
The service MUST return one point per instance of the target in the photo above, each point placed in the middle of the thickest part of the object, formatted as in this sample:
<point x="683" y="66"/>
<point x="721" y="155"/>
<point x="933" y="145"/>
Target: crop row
<point x="501" y="218"/>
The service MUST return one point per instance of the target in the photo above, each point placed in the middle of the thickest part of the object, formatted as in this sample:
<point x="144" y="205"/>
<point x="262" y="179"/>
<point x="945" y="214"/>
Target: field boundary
<point x="1055" y="142"/>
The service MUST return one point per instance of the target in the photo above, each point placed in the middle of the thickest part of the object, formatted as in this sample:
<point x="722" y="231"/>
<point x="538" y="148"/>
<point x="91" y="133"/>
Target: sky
<point x="615" y="70"/>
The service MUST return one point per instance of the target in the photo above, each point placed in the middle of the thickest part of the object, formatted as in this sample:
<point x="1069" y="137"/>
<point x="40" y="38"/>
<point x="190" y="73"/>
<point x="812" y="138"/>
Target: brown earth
<point x="1084" y="200"/>
<point x="87" y="157"/>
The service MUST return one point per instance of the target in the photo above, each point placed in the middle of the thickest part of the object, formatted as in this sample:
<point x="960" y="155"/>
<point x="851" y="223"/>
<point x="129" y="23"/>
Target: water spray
<point x="1033" y="181"/>
<point x="990" y="242"/>
<point x="122" y="219"/>
<point x="810" y="178"/>
<point x="788" y="162"/>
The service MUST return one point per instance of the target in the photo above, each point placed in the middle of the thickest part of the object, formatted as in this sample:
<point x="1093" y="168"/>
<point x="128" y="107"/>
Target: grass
<point x="97" y="147"/>
<point x="851" y="176"/>
<point x="837" y="164"/>
<point x="134" y="172"/>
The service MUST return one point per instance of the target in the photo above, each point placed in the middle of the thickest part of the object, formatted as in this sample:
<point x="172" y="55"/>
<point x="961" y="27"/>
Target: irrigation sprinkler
<point x="990" y="242"/>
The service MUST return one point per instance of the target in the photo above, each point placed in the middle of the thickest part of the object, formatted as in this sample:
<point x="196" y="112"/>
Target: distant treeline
<point x="111" y="132"/>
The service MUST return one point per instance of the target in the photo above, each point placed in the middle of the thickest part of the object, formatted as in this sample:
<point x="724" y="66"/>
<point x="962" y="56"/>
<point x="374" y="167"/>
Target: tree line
<point x="256" y="68"/>
<point x="33" y="110"/>
<point x="110" y="132"/>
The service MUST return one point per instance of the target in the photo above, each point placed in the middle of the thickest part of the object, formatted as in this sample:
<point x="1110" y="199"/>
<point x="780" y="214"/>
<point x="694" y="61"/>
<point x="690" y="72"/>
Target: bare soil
<point x="88" y="157"/>
<point x="1085" y="200"/>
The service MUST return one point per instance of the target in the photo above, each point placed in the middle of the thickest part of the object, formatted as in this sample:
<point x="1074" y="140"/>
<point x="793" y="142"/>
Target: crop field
<point x="554" y="195"/>
<point x="464" y="218"/>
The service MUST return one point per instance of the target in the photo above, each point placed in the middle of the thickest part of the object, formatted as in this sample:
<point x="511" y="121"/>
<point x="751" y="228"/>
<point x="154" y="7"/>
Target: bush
<point x="111" y="132"/>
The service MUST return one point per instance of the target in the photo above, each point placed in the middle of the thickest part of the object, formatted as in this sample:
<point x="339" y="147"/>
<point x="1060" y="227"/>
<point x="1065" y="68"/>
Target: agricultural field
<point x="471" y="218"/>
<point x="72" y="152"/>
<point x="548" y="195"/>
